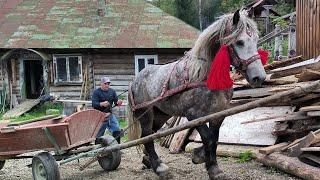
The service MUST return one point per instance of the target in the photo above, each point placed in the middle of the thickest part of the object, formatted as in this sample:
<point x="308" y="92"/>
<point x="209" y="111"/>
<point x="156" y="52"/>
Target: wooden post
<point x="267" y="21"/>
<point x="292" y="37"/>
<point x="278" y="44"/>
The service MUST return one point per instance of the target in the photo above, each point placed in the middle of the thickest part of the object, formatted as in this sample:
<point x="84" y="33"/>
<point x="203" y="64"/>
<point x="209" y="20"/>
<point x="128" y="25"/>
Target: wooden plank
<point x="311" y="149"/>
<point x="310" y="108"/>
<point x="178" y="138"/>
<point x="295" y="70"/>
<point x="298" y="63"/>
<point x="21" y="109"/>
<point x="255" y="134"/>
<point x="306" y="142"/>
<point x="310" y="159"/>
<point x="272" y="149"/>
<point x="313" y="113"/>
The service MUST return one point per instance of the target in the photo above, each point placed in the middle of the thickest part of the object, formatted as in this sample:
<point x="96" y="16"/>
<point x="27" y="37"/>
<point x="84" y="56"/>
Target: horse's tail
<point x="134" y="132"/>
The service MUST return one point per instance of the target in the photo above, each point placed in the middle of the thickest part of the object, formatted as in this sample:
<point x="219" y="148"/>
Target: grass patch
<point x="38" y="111"/>
<point x="123" y="124"/>
<point x="245" y="156"/>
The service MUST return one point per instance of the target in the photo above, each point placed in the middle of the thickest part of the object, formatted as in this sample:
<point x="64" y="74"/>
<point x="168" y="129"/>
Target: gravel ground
<point x="130" y="168"/>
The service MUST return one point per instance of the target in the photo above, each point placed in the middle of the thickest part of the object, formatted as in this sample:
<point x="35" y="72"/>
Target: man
<point x="102" y="99"/>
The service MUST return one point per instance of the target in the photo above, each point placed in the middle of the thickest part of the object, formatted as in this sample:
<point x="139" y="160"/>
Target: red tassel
<point x="263" y="56"/>
<point x="219" y="75"/>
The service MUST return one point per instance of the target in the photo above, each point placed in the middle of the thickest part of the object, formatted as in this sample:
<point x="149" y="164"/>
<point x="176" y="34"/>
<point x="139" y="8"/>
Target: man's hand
<point x="119" y="102"/>
<point x="104" y="104"/>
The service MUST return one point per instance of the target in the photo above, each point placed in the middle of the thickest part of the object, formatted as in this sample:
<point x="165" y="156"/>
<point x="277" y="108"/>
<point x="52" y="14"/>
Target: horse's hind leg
<point x="158" y="166"/>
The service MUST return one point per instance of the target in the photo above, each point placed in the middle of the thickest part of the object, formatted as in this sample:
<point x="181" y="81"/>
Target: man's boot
<point x="117" y="136"/>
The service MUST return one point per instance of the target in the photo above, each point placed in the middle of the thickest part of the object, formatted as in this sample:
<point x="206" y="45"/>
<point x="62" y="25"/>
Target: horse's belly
<point x="196" y="102"/>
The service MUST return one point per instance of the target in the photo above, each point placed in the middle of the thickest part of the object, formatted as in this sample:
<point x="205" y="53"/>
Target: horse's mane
<point x="201" y="54"/>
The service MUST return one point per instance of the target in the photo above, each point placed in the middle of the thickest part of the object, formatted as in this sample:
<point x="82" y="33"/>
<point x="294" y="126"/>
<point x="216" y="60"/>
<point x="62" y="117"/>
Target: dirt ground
<point x="130" y="168"/>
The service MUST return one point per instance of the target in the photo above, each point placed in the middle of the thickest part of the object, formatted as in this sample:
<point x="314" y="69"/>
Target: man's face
<point x="105" y="86"/>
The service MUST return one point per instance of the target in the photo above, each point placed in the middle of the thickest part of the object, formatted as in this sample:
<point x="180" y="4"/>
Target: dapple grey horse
<point x="175" y="89"/>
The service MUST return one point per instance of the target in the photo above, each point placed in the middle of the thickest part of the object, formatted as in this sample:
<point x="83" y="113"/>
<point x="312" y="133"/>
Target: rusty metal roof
<point x="76" y="24"/>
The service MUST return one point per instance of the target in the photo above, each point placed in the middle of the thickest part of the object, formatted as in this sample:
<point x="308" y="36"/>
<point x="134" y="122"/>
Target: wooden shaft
<point x="196" y="122"/>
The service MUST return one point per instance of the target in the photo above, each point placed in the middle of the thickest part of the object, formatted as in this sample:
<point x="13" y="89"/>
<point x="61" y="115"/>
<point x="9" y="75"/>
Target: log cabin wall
<point x="120" y="67"/>
<point x="73" y="91"/>
<point x="308" y="28"/>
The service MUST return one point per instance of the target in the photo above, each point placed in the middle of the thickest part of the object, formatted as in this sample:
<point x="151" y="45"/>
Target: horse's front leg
<point x="157" y="165"/>
<point x="207" y="153"/>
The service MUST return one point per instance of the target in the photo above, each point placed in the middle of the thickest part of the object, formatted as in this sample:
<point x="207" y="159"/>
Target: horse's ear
<point x="236" y="18"/>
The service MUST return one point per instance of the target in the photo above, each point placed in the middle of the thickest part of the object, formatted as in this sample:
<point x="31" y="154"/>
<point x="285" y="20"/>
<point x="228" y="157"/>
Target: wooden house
<point x="65" y="47"/>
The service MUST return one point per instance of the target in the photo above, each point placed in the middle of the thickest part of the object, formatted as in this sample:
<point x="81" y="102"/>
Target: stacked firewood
<point x="297" y="131"/>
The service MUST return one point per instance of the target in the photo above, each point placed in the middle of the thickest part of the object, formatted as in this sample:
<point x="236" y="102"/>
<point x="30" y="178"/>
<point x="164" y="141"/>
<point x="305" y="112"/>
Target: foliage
<point x="283" y="7"/>
<point x="245" y="156"/>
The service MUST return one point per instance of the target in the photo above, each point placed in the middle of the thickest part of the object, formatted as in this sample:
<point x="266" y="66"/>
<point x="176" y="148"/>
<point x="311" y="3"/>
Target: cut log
<point x="308" y="75"/>
<point x="306" y="142"/>
<point x="178" y="138"/>
<point x="290" y="165"/>
<point x="272" y="149"/>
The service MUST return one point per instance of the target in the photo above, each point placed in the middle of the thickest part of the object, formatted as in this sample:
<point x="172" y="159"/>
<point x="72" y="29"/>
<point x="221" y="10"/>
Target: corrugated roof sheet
<point x="76" y="24"/>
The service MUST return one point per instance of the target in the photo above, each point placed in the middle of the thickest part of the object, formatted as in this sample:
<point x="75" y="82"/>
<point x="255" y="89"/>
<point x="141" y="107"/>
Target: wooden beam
<point x="295" y="70"/>
<point x="310" y="108"/>
<point x="272" y="149"/>
<point x="196" y="122"/>
<point x="278" y="64"/>
<point x="313" y="113"/>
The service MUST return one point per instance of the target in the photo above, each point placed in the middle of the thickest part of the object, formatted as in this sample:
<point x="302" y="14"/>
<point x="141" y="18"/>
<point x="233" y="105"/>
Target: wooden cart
<point x="68" y="137"/>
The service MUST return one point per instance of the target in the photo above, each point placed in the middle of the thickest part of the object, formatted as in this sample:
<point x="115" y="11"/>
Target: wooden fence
<point x="308" y="28"/>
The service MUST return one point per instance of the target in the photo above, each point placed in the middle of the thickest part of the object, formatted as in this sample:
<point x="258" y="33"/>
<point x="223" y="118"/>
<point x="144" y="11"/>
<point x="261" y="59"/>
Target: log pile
<point x="297" y="132"/>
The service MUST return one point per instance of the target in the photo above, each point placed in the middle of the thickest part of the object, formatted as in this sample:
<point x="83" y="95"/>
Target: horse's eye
<point x="240" y="43"/>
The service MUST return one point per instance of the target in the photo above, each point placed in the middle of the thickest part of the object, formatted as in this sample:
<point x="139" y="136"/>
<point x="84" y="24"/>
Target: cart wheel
<point x="2" y="164"/>
<point x="45" y="167"/>
<point x="112" y="160"/>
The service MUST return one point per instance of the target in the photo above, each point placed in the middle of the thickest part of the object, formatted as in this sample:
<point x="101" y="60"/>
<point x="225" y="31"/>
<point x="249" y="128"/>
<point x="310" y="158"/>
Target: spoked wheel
<point x="112" y="160"/>
<point x="2" y="164"/>
<point x="45" y="167"/>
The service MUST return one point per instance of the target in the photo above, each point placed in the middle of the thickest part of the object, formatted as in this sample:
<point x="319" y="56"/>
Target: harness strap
<point x="168" y="93"/>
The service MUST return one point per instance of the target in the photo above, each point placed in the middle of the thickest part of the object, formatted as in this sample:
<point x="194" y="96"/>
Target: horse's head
<point x="243" y="50"/>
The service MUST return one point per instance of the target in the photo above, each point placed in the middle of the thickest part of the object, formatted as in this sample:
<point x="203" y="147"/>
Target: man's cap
<point x="105" y="80"/>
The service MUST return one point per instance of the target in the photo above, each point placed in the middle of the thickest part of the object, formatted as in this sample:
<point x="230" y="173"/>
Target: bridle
<point x="238" y="63"/>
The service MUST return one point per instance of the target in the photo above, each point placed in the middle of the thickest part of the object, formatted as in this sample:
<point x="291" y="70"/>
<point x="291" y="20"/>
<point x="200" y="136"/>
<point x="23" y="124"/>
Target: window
<point x="67" y="69"/>
<point x="142" y="61"/>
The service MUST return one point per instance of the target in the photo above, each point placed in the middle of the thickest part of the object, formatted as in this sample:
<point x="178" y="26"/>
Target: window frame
<point x="145" y="57"/>
<point x="55" y="69"/>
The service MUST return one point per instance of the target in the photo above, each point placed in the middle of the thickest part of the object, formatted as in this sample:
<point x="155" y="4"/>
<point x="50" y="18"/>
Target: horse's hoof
<point x="215" y="172"/>
<point x="198" y="155"/>
<point x="162" y="170"/>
